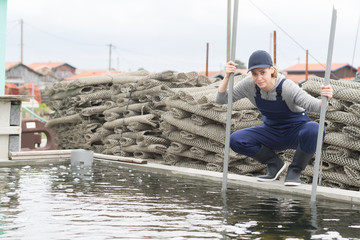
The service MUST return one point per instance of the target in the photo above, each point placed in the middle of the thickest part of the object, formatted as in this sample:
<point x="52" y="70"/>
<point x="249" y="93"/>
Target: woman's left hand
<point x="326" y="91"/>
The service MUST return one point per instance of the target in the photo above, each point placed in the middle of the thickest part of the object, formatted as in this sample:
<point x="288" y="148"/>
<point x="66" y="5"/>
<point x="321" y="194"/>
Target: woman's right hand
<point x="230" y="67"/>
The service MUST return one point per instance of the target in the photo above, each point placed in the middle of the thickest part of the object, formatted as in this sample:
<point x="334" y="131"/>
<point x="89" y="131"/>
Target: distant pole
<point x="230" y="98"/>
<point x="228" y="30"/>
<point x="357" y="32"/>
<point x="110" y="46"/>
<point x="207" y="60"/>
<point x="323" y="108"/>
<point x="3" y="10"/>
<point x="274" y="48"/>
<point x="22" y="41"/>
<point x="307" y="66"/>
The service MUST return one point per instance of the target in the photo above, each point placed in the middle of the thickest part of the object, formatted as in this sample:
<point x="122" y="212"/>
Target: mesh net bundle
<point x="200" y="142"/>
<point x="172" y="118"/>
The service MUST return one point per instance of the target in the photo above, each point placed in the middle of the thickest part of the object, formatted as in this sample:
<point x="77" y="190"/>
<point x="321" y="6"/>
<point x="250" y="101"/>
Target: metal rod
<point x="274" y="48"/>
<point x="307" y="66"/>
<point x="230" y="98"/>
<point x="228" y="30"/>
<point x="207" y="60"/>
<point x="3" y="10"/>
<point x="357" y="33"/>
<point x="110" y="46"/>
<point x="323" y="108"/>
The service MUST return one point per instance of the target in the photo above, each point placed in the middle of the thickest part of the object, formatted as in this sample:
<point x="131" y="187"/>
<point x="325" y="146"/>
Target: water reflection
<point x="102" y="202"/>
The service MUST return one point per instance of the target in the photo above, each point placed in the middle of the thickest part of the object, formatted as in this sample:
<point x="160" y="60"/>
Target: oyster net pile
<point x="340" y="158"/>
<point x="171" y="118"/>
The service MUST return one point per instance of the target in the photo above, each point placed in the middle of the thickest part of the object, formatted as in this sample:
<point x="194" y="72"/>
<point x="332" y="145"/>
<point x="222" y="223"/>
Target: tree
<point x="241" y="65"/>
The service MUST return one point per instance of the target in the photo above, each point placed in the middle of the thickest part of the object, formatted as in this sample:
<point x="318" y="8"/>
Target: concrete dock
<point x="323" y="193"/>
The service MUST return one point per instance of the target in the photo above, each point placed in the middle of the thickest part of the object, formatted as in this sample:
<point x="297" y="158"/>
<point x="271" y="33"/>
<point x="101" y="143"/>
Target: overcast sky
<point x="163" y="35"/>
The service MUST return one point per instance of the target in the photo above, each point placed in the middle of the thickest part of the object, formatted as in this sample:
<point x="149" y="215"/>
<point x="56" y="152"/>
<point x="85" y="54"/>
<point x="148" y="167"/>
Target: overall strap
<point x="257" y="89"/>
<point x="279" y="88"/>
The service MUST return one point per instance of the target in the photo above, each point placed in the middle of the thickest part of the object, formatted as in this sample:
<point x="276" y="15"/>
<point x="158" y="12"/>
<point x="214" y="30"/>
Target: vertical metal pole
<point x="230" y="98"/>
<point x="274" y="48"/>
<point x="3" y="10"/>
<point x="323" y="108"/>
<point x="357" y="33"/>
<point x="207" y="60"/>
<point x="228" y="30"/>
<point x="110" y="46"/>
<point x="307" y="66"/>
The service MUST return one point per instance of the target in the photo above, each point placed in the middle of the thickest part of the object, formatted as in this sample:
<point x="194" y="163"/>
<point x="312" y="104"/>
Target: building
<point x="18" y="74"/>
<point x="89" y="73"/>
<point x="338" y="71"/>
<point x="53" y="71"/>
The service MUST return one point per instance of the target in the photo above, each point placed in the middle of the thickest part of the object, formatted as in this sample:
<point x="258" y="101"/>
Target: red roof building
<point x="18" y="74"/>
<point x="338" y="71"/>
<point x="90" y="74"/>
<point x="59" y="70"/>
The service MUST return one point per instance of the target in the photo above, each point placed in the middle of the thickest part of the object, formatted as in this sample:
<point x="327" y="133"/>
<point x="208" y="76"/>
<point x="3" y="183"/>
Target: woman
<point x="282" y="104"/>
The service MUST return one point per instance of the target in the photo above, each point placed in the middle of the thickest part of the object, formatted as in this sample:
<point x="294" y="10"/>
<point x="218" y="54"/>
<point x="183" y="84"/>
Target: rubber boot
<point x="274" y="164"/>
<point x="300" y="160"/>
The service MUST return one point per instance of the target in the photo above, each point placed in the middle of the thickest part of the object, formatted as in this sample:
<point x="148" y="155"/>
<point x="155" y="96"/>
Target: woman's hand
<point x="230" y="67"/>
<point x="326" y="91"/>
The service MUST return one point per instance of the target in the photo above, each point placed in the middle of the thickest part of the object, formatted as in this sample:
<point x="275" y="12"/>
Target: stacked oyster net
<point x="195" y="125"/>
<point x="116" y="114"/>
<point x="340" y="158"/>
<point x="172" y="118"/>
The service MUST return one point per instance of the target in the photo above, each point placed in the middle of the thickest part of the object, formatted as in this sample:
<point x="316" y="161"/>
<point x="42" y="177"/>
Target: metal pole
<point x="228" y="30"/>
<point x="207" y="60"/>
<point x="110" y="46"/>
<point x="323" y="108"/>
<point x="357" y="33"/>
<point x="3" y="7"/>
<point x="274" y="48"/>
<point x="307" y="66"/>
<point x="230" y="98"/>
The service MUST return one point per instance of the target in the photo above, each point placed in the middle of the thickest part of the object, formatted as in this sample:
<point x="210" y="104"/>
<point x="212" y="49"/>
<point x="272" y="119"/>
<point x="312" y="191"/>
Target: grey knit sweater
<point x="296" y="98"/>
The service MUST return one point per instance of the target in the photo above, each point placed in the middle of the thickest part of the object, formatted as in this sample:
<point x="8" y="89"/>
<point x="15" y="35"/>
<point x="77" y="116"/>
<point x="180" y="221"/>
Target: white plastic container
<point x="82" y="158"/>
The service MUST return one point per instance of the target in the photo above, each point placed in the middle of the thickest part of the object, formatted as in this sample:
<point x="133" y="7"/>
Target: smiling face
<point x="262" y="78"/>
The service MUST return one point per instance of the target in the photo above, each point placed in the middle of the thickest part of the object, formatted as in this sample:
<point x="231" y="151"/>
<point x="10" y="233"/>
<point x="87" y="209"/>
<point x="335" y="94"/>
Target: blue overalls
<point x="282" y="128"/>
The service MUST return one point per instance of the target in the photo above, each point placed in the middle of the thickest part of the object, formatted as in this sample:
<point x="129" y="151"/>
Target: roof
<point x="316" y="67"/>
<point x="297" y="77"/>
<point x="9" y="65"/>
<point x="51" y="65"/>
<point x="90" y="74"/>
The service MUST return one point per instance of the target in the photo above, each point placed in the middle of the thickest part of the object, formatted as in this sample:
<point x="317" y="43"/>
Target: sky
<point x="160" y="35"/>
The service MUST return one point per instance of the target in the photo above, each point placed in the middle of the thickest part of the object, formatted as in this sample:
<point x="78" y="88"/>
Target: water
<point x="111" y="202"/>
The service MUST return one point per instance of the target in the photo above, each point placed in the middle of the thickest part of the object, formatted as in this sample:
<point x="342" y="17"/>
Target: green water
<point x="107" y="202"/>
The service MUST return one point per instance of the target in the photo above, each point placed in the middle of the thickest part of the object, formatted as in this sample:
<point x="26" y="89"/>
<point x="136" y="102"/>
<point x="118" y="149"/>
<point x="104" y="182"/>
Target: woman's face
<point x="262" y="78"/>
